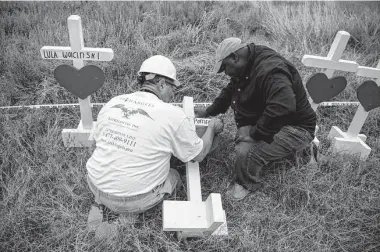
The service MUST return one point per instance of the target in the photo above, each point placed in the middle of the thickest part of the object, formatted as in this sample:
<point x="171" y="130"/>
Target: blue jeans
<point x="252" y="156"/>
<point x="139" y="203"/>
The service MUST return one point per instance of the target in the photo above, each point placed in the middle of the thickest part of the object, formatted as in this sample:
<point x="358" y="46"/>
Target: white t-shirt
<point x="135" y="136"/>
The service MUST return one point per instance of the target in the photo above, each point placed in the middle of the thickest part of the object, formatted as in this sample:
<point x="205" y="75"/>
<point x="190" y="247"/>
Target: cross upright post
<point x="331" y="63"/>
<point x="351" y="141"/>
<point x="77" y="44"/>
<point x="361" y="115"/>
<point x="77" y="53"/>
<point x="333" y="60"/>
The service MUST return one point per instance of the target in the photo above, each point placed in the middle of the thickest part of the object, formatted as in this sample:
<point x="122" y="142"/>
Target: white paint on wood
<point x="184" y="216"/>
<point x="214" y="212"/>
<point x="342" y="142"/>
<point x="78" y="137"/>
<point x="336" y="132"/>
<point x="193" y="179"/>
<point x="78" y="54"/>
<point x="331" y="63"/>
<point x="86" y="113"/>
<point x="77" y="43"/>
<point x="192" y="168"/>
<point x="188" y="106"/>
<point x="333" y="60"/>
<point x="357" y="122"/>
<point x="338" y="45"/>
<point x="323" y="62"/>
<point x="337" y="49"/>
<point x="352" y="146"/>
<point x="361" y="115"/>
<point x="194" y="219"/>
<point x="369" y="72"/>
<point x="222" y="230"/>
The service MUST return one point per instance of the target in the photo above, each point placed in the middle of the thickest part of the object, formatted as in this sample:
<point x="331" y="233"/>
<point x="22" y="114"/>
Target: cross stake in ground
<point x="351" y="141"/>
<point x="78" y="54"/>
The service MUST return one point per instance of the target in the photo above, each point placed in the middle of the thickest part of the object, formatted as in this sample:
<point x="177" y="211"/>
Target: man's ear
<point x="235" y="57"/>
<point x="161" y="83"/>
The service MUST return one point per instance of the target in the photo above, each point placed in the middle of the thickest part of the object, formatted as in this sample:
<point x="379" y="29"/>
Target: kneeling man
<point x="136" y="134"/>
<point x="272" y="113"/>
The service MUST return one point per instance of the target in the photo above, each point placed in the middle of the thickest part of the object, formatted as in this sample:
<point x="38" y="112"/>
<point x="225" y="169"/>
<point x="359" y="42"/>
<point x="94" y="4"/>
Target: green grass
<point x="44" y="199"/>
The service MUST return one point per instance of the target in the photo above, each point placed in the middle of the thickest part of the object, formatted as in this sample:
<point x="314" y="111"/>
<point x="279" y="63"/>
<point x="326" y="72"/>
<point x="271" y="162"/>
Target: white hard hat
<point x="160" y="65"/>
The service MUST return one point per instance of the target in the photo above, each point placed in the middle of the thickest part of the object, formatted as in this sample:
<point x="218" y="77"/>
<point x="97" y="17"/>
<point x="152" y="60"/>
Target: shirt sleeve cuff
<point x="195" y="153"/>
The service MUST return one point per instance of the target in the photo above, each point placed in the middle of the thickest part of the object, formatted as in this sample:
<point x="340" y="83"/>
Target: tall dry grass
<point x="44" y="200"/>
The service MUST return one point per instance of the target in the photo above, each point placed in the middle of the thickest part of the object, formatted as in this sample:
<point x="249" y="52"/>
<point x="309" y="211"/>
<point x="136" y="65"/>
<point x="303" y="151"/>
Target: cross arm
<point x="369" y="72"/>
<point x="324" y="62"/>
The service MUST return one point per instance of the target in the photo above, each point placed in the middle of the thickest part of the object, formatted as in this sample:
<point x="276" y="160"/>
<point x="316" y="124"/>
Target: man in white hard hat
<point x="274" y="118"/>
<point x="136" y="135"/>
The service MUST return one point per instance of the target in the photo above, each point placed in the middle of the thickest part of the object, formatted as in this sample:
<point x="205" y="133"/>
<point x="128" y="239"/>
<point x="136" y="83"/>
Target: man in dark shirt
<point x="272" y="112"/>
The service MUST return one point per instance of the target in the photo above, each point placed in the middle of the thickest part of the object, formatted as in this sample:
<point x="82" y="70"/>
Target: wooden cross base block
<point x="78" y="137"/>
<point x="342" y="142"/>
<point x="195" y="218"/>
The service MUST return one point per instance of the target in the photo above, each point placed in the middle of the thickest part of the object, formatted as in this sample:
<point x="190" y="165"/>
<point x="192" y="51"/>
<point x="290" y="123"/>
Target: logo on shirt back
<point x="130" y="111"/>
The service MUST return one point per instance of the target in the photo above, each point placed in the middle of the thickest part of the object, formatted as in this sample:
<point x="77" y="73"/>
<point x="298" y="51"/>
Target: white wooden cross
<point x="331" y="63"/>
<point x="78" y="54"/>
<point x="194" y="218"/>
<point x="351" y="141"/>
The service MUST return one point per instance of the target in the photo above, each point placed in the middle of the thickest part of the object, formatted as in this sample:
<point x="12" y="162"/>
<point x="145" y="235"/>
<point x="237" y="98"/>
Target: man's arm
<point x="220" y="104"/>
<point x="215" y="127"/>
<point x="280" y="102"/>
<point x="188" y="146"/>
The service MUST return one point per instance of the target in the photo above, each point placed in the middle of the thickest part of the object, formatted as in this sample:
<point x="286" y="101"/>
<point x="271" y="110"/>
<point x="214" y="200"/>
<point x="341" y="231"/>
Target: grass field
<point x="44" y="199"/>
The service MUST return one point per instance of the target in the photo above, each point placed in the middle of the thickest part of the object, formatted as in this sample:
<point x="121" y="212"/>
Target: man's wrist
<point x="206" y="112"/>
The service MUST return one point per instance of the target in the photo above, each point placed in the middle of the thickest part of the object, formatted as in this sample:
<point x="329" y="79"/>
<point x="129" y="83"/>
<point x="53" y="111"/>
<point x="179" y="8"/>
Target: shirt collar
<point x="146" y="95"/>
<point x="247" y="68"/>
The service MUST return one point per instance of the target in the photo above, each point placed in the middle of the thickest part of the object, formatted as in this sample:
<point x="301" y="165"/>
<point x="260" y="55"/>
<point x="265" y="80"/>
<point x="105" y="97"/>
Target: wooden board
<point x="184" y="216"/>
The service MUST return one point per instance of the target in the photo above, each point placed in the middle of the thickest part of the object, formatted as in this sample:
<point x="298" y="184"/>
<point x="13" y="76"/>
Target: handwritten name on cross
<point x="361" y="115"/>
<point x="332" y="62"/>
<point x="78" y="54"/>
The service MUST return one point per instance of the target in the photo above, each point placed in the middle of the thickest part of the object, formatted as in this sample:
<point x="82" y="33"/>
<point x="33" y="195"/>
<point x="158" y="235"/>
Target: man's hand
<point x="244" y="134"/>
<point x="200" y="113"/>
<point x="217" y="124"/>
